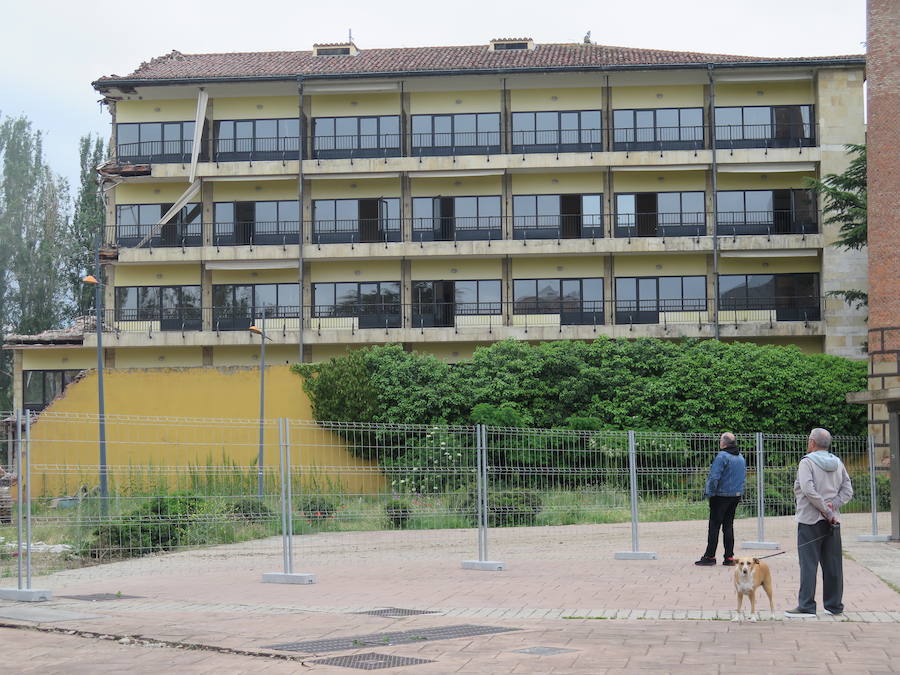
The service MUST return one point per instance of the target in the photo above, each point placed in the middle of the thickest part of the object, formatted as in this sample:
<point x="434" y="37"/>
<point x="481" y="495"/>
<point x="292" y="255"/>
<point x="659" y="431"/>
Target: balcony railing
<point x="356" y="230"/>
<point x="733" y="136"/>
<point x="456" y="143"/>
<point x="738" y="223"/>
<point x="166" y="236"/>
<point x="525" y="313"/>
<point x="458" y="228"/>
<point x="557" y="140"/>
<point x="256" y="149"/>
<point x="558" y="226"/>
<point x="161" y="152"/>
<point x="633" y="139"/>
<point x="660" y="225"/>
<point x="257" y="233"/>
<point x="356" y="146"/>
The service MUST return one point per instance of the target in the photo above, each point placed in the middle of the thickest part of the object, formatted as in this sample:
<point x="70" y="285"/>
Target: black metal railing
<point x="558" y="226"/>
<point x="455" y="143"/>
<point x="160" y="152"/>
<point x="357" y="315"/>
<point x="632" y="139"/>
<point x="660" y="225"/>
<point x="356" y="231"/>
<point x="356" y="146"/>
<point x="767" y="222"/>
<point x="557" y="140"/>
<point x="169" y="235"/>
<point x="458" y="228"/>
<point x="257" y="233"/>
<point x="734" y="136"/>
<point x="770" y="308"/>
<point x="256" y="148"/>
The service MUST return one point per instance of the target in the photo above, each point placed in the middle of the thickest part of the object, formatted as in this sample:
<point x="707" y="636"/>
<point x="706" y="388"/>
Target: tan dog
<point x="750" y="574"/>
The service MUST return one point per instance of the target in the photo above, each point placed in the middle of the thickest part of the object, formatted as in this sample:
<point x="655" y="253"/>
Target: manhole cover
<point x="385" y="639"/>
<point x="543" y="651"/>
<point x="371" y="661"/>
<point x="393" y="612"/>
<point x="100" y="597"/>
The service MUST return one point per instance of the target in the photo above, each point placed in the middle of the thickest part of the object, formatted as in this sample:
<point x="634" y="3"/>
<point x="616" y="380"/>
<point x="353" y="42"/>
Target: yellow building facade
<point x="526" y="191"/>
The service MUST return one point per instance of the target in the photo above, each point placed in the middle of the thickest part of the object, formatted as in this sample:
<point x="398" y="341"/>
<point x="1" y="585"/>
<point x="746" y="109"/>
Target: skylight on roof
<point x="508" y="44"/>
<point x="339" y="49"/>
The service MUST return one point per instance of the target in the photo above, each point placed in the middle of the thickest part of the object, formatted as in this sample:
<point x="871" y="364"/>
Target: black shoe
<point x="705" y="562"/>
<point x="798" y="613"/>
<point x="835" y="613"/>
<point x="729" y="561"/>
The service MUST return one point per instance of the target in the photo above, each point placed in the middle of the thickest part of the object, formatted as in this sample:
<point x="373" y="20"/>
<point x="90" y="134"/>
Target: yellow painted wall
<point x="261" y="191"/>
<point x="456" y="268"/>
<point x="157" y="275"/>
<point x="69" y="446"/>
<point x="670" y="265"/>
<point x="768" y="265"/>
<point x="456" y="187"/>
<point x="590" y="182"/>
<point x="352" y="105"/>
<point x="58" y="358"/>
<point x="365" y="188"/>
<point x="261" y="107"/>
<point x="150" y="193"/>
<point x="449" y="102"/>
<point x="682" y="96"/>
<point x="659" y="181"/>
<point x="167" y="110"/>
<point x="557" y="268"/>
<point x="368" y="270"/>
<point x="762" y="181"/>
<point x="582" y="98"/>
<point x="236" y="355"/>
<point x="166" y="357"/>
<point x="786" y="92"/>
<point x="283" y="276"/>
<point x="807" y="345"/>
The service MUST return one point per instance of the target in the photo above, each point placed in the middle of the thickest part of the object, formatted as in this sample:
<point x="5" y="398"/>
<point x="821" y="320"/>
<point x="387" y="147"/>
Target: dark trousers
<point x="827" y="553"/>
<point x="721" y="516"/>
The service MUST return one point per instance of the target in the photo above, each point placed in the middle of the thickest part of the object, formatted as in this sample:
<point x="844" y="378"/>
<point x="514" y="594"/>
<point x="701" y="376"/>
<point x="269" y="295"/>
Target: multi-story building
<point x="450" y="197"/>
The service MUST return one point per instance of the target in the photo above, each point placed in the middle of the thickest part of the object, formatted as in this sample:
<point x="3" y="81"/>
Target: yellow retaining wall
<point x="218" y="393"/>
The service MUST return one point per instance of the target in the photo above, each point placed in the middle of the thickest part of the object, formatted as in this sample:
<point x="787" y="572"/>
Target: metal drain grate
<point x="100" y="597"/>
<point x="385" y="639"/>
<point x="543" y="651"/>
<point x="394" y="612"/>
<point x="371" y="661"/>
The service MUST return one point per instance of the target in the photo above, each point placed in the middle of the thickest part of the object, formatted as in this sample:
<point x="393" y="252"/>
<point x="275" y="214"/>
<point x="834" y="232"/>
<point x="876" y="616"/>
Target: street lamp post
<point x="261" y="331"/>
<point x="94" y="280"/>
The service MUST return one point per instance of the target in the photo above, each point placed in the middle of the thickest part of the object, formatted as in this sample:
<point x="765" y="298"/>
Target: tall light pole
<point x="94" y="280"/>
<point x="261" y="331"/>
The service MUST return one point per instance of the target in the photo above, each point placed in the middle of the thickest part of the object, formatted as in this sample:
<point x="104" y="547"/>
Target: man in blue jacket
<point x="724" y="487"/>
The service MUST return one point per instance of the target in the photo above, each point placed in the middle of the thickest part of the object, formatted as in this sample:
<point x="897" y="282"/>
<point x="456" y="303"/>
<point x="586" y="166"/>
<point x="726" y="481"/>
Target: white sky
<point x="51" y="50"/>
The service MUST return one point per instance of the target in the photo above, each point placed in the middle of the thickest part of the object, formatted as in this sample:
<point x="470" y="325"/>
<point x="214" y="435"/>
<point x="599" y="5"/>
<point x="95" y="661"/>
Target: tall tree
<point x="34" y="204"/>
<point x="86" y="225"/>
<point x="846" y="200"/>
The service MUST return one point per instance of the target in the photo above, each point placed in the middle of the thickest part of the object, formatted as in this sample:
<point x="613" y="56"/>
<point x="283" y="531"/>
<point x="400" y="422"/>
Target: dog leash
<point x="834" y="526"/>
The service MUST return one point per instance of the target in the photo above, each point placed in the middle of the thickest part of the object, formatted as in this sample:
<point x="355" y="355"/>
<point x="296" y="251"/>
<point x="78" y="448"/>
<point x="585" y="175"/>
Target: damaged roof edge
<point x="102" y="85"/>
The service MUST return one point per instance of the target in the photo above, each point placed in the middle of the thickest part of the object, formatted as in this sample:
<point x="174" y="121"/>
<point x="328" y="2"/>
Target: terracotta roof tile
<point x="176" y="65"/>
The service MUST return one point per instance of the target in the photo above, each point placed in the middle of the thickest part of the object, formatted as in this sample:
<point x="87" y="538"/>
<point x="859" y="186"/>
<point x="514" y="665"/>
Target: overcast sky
<point x="51" y="50"/>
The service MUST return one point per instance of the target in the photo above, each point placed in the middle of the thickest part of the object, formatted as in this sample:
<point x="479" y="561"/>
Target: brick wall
<point x="883" y="140"/>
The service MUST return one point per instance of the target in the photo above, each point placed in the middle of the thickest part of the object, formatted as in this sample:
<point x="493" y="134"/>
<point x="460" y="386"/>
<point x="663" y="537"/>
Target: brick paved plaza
<point x="564" y="600"/>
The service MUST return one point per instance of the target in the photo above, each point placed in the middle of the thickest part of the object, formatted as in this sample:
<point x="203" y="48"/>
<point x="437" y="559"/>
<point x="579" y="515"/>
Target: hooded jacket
<point x="727" y="473"/>
<point x="821" y="479"/>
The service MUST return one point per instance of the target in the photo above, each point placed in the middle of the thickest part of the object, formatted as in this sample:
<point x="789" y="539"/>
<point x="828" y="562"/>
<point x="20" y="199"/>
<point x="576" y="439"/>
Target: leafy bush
<point x="398" y="512"/>
<point x="317" y="508"/>
<point x="506" y="507"/>
<point x="437" y="462"/>
<point x="250" y="509"/>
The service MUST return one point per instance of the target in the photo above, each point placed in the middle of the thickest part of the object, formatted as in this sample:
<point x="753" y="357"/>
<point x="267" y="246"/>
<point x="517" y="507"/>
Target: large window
<point x="336" y="137"/>
<point x="144" y="142"/>
<point x="439" y="303"/>
<point x="781" y="126"/>
<point x="557" y="216"/>
<point x="374" y="304"/>
<point x="641" y="299"/>
<point x="237" y="306"/>
<point x="136" y="221"/>
<point x="577" y="301"/>
<point x="790" y="297"/>
<point x="237" y="140"/>
<point x="345" y="221"/>
<point x="456" y="218"/>
<point x="658" y="129"/>
<point x="766" y="212"/>
<point x="257" y="223"/>
<point x="40" y="387"/>
<point x="557" y="131"/>
<point x="660" y="214"/>
<point x="174" y="307"/>
<point x="460" y="134"/>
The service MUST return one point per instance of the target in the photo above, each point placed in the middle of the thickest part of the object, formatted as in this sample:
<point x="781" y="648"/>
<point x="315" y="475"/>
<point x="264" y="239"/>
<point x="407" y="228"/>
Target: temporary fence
<point x="466" y="493"/>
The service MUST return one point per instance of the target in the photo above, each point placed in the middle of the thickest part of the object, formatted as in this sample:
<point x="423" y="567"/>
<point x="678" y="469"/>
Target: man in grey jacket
<point x="822" y="488"/>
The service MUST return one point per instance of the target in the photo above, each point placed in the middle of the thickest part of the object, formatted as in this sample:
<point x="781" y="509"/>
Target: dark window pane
<point x="592" y="290"/>
<point x="266" y="295"/>
<point x="323" y="294"/>
<point x="489" y="122"/>
<point x="323" y="126"/>
<point x="694" y="288"/>
<point x="127" y="133"/>
<point x="466" y="291"/>
<point x="525" y="290"/>
<point x="489" y="291"/>
<point x="288" y="295"/>
<point x="34" y="387"/>
<point x="626" y="288"/>
<point x="523" y="121"/>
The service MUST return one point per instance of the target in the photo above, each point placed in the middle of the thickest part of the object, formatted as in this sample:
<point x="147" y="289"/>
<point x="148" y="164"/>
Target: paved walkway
<point x="563" y="605"/>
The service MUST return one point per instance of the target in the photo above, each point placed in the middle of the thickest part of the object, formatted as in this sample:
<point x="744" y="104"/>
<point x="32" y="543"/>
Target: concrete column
<point x="306" y="211"/>
<point x="840" y="92"/>
<point x="609" y="290"/>
<point x="109" y="358"/>
<point x="405" y="124"/>
<point x="505" y="118"/>
<point x="207" y="353"/>
<point x="606" y="115"/>
<point x="306" y="128"/>
<point x="206" y="298"/>
<point x="506" y="285"/>
<point x="610" y="203"/>
<point x="111" y="106"/>
<point x="506" y="198"/>
<point x="209" y="216"/>
<point x="210" y="131"/>
<point x="108" y="237"/>
<point x="406" y="292"/>
<point x="405" y="207"/>
<point x="18" y="383"/>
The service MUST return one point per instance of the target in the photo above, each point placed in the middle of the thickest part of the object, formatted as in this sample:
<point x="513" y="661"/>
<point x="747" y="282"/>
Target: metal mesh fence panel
<point x="172" y="484"/>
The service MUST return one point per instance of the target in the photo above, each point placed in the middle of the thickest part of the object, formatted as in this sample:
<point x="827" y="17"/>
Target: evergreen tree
<point x="87" y="224"/>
